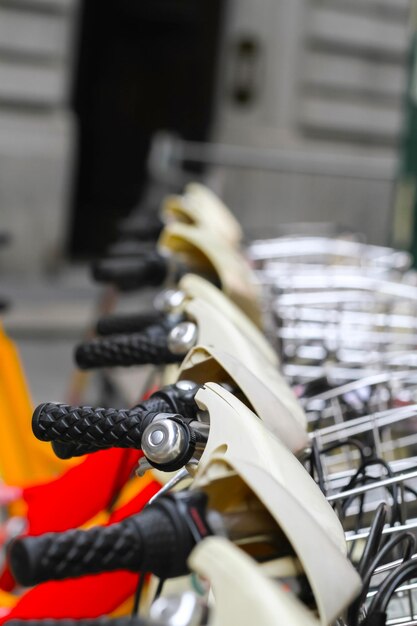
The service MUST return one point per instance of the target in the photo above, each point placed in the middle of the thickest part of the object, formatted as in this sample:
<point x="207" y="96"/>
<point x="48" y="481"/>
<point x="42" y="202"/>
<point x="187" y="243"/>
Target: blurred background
<point x="309" y="107"/>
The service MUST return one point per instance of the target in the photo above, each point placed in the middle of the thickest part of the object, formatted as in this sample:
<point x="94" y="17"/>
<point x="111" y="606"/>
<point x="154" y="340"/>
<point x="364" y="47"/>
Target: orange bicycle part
<point x="23" y="459"/>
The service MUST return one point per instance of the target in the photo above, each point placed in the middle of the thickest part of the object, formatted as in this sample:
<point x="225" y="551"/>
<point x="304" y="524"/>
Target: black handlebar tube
<point x="149" y="347"/>
<point x="133" y="272"/>
<point x="157" y="540"/>
<point x="133" y="323"/>
<point x="78" y="430"/>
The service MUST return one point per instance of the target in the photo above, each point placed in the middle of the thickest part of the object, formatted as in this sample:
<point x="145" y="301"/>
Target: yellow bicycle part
<point x="23" y="459"/>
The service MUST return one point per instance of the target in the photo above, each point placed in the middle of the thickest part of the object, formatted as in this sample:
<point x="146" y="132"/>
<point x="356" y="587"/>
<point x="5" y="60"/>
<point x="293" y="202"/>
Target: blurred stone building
<point x="320" y="81"/>
<point x="323" y="81"/>
<point x="36" y="129"/>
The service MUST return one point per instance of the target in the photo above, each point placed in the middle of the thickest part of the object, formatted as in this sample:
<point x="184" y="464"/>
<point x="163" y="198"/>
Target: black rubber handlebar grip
<point x="145" y="348"/>
<point x="91" y="429"/>
<point x="64" y="450"/>
<point x="129" y="248"/>
<point x="150" y="541"/>
<point x="97" y="427"/>
<point x="78" y="430"/>
<point x="4" y="304"/>
<point x="5" y="238"/>
<point x="133" y="323"/>
<point x="99" y="621"/>
<point x="129" y="273"/>
<point x="142" y="227"/>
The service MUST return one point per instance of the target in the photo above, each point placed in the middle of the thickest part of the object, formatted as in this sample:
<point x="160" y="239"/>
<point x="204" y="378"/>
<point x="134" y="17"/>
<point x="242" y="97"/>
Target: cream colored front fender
<point x="196" y="287"/>
<point x="198" y="205"/>
<point x="242" y="593"/>
<point x="265" y="390"/>
<point x="239" y="442"/>
<point x="207" y="253"/>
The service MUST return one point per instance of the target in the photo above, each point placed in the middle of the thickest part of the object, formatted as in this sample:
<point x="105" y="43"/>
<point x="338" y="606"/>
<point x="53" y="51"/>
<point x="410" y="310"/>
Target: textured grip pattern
<point x="115" y="324"/>
<point x="98" y="427"/>
<point x="146" y="542"/>
<point x="83" y="429"/>
<point x="124" y="350"/>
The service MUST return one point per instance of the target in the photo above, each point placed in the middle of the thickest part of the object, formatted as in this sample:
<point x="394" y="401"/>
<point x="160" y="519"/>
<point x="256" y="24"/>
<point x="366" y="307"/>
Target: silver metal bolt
<point x="182" y="337"/>
<point x="164" y="441"/>
<point x="169" y="300"/>
<point x="186" y="385"/>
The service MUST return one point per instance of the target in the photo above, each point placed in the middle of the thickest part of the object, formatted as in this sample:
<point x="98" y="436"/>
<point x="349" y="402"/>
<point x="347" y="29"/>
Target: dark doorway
<point x="143" y="65"/>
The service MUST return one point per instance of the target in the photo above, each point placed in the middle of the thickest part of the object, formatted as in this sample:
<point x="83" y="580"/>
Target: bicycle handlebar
<point x="65" y="450"/>
<point x="5" y="238"/>
<point x="4" y="304"/>
<point x="147" y="347"/>
<point x="142" y="227"/>
<point x="129" y="273"/>
<point x="129" y="248"/>
<point x="146" y="542"/>
<point x="97" y="428"/>
<point x="157" y="540"/>
<point x="117" y="324"/>
<point x="77" y="430"/>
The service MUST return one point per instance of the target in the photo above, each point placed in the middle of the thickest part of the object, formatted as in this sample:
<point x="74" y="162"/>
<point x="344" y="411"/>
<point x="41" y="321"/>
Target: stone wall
<point x="36" y="129"/>
<point x="330" y="78"/>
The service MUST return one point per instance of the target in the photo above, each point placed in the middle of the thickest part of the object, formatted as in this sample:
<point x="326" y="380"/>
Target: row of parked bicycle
<point x="268" y="472"/>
